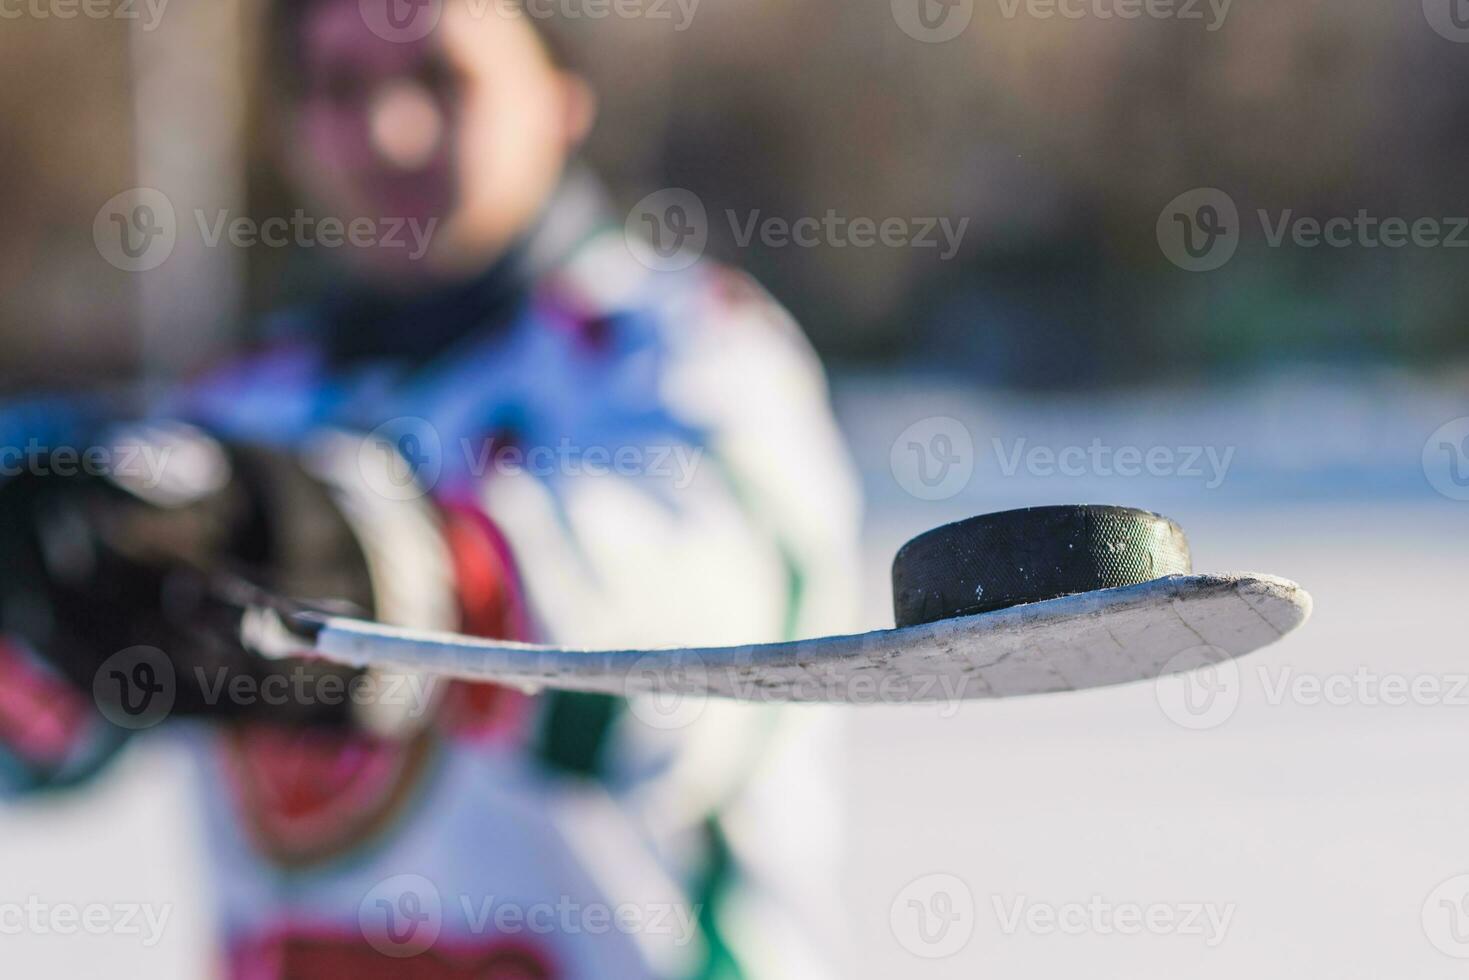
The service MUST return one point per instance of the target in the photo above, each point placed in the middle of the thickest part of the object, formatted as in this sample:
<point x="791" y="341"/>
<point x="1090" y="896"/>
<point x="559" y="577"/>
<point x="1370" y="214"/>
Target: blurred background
<point x="1060" y="139"/>
<point x="1327" y="383"/>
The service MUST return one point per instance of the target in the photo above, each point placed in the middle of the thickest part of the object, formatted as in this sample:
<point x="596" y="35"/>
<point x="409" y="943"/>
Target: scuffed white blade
<point x="1066" y="644"/>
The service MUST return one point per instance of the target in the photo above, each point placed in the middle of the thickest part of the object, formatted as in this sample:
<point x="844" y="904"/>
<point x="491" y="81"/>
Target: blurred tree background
<point x="1061" y="140"/>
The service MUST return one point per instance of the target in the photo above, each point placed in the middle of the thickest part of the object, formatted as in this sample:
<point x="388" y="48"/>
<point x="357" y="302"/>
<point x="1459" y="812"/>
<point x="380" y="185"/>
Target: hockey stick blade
<point x="1075" y="642"/>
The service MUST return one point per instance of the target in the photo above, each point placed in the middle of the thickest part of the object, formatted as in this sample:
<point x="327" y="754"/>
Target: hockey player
<point x="517" y="431"/>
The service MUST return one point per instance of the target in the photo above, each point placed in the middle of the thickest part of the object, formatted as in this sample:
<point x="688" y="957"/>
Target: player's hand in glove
<point x="94" y="563"/>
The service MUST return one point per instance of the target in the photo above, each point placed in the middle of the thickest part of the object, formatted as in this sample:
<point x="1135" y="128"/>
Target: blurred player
<point x="517" y="430"/>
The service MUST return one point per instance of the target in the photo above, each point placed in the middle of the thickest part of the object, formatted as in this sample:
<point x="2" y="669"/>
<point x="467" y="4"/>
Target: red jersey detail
<point x="42" y="718"/>
<point x="491" y="605"/>
<point x="302" y="955"/>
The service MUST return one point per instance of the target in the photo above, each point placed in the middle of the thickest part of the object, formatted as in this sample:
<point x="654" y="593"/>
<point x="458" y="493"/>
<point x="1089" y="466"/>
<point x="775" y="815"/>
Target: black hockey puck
<point x="1017" y="556"/>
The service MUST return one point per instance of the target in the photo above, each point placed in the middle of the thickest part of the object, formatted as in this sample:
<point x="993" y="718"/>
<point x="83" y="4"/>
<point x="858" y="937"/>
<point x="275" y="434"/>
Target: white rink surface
<point x="1324" y="826"/>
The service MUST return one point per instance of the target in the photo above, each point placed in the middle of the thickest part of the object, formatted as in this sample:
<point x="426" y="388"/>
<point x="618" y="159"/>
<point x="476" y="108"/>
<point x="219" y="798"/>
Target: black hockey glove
<point x="156" y="552"/>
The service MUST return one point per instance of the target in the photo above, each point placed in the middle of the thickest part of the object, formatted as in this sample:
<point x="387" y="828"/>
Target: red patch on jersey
<point x="310" y="795"/>
<point x="303" y="955"/>
<point x="491" y="605"/>
<point x="42" y="718"/>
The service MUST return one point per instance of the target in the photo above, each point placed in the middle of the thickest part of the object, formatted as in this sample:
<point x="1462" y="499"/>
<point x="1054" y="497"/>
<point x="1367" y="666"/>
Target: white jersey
<point x="631" y="459"/>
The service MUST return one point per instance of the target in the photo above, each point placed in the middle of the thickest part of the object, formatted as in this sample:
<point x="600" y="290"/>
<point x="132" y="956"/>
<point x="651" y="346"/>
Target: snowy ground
<point x="1304" y="834"/>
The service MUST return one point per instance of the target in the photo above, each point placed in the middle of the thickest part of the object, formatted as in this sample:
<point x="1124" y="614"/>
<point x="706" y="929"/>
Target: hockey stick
<point x="1067" y="643"/>
<point x="1024" y="602"/>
